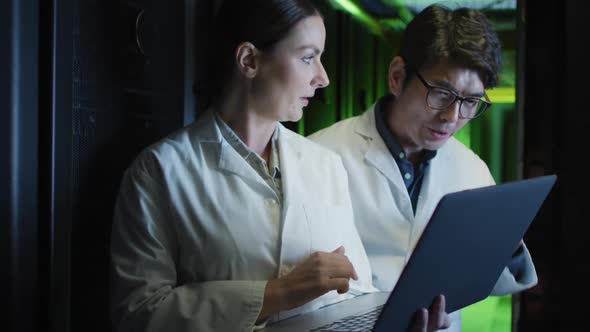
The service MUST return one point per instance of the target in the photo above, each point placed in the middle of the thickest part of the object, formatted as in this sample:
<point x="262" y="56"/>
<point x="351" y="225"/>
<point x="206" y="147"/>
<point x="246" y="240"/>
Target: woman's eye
<point x="308" y="59"/>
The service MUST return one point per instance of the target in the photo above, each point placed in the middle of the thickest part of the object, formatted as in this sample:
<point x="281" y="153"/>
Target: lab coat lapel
<point x="431" y="192"/>
<point x="377" y="155"/>
<point x="228" y="159"/>
<point x="231" y="161"/>
<point x="295" y="229"/>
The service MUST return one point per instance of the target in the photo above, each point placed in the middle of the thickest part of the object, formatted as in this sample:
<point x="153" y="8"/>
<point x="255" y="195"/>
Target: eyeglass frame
<point x="429" y="87"/>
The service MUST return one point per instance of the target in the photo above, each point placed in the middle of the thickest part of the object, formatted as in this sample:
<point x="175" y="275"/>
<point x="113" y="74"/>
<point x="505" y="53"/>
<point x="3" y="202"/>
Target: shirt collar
<point x="234" y="140"/>
<point x="273" y="161"/>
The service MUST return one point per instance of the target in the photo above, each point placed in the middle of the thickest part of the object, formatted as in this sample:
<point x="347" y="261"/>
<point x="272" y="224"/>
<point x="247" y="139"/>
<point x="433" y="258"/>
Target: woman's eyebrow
<point x="313" y="47"/>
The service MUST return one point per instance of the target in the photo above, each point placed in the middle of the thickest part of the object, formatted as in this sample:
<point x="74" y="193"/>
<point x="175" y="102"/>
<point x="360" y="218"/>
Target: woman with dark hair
<point x="235" y="221"/>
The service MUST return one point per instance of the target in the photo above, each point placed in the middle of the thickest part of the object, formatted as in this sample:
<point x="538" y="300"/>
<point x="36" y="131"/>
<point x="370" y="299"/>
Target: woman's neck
<point x="253" y="129"/>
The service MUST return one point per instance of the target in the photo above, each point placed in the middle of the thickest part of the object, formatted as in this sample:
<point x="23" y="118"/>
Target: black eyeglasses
<point x="440" y="98"/>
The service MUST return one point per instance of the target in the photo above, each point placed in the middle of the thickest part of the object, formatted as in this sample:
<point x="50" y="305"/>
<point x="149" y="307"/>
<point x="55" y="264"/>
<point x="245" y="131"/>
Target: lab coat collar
<point x="207" y="132"/>
<point x="378" y="156"/>
<point x="376" y="152"/>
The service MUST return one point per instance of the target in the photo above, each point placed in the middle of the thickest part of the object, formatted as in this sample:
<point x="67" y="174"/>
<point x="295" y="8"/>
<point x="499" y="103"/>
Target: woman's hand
<point x="320" y="273"/>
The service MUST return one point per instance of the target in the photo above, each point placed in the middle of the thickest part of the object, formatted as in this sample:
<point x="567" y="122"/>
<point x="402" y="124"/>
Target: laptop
<point x="468" y="241"/>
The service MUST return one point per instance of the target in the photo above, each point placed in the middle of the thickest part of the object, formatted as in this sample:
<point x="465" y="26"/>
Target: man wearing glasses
<point x="401" y="155"/>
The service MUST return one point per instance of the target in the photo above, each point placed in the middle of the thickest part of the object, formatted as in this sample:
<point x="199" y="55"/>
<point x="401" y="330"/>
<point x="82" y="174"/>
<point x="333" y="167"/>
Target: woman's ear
<point x="397" y="75"/>
<point x="247" y="59"/>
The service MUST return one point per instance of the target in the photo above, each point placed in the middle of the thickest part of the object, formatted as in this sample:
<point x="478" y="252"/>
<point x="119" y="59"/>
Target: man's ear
<point x="247" y="59"/>
<point x="397" y="75"/>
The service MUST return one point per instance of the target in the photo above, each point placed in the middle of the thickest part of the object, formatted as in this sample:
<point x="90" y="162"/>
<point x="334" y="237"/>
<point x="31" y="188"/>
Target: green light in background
<point x="350" y="7"/>
<point x="377" y="25"/>
<point x="394" y="23"/>
<point x="503" y="95"/>
<point x="353" y="9"/>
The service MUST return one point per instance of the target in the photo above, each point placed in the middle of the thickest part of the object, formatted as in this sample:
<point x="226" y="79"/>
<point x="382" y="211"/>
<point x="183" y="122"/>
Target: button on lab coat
<point x="383" y="210"/>
<point x="197" y="232"/>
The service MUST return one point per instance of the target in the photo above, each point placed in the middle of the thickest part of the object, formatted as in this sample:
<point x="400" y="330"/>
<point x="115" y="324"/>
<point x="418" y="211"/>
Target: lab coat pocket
<point x="325" y="229"/>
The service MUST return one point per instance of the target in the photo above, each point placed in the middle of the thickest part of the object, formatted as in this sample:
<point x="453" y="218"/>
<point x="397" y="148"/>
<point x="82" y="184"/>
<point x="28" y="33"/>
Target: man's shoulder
<point x="461" y="160"/>
<point x="336" y="128"/>
<point x="316" y="161"/>
<point x="341" y="133"/>
<point x="455" y="148"/>
<point x="309" y="148"/>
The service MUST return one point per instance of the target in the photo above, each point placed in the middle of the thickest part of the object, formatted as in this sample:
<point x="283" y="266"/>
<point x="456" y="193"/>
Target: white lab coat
<point x="382" y="207"/>
<point x="197" y="232"/>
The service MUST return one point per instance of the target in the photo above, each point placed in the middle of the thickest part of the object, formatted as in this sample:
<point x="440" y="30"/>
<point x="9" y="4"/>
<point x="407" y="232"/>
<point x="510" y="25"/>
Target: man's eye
<point x="443" y="94"/>
<point x="470" y="102"/>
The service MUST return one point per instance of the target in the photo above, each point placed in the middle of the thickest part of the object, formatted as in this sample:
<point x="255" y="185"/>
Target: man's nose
<point x="451" y="113"/>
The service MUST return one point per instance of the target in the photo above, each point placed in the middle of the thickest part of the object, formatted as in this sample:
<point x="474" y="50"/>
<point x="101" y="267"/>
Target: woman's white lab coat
<point x="383" y="210"/>
<point x="197" y="232"/>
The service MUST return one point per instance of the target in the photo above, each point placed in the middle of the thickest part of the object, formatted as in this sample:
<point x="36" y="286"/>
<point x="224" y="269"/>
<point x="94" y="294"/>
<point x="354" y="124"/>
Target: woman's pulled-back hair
<point x="463" y="37"/>
<point x="260" y="22"/>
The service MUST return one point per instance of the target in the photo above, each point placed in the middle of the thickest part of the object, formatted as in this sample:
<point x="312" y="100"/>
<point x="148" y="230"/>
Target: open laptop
<point x="468" y="241"/>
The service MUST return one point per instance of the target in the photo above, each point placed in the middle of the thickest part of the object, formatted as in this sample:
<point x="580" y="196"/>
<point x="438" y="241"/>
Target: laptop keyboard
<point x="355" y="323"/>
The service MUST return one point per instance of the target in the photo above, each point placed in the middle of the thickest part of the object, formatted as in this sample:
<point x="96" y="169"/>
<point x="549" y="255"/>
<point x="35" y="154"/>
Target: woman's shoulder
<point x="175" y="143"/>
<point x="165" y="152"/>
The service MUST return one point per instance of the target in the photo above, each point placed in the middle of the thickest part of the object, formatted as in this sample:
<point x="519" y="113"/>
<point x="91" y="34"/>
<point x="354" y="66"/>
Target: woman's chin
<point x="294" y="116"/>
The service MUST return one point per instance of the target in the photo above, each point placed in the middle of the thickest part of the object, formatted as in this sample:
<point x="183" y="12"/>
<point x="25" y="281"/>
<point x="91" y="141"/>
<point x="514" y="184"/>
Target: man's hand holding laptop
<point x="433" y="319"/>
<point x="322" y="272"/>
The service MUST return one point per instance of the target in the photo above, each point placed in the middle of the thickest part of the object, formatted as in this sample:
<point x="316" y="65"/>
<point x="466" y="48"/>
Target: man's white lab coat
<point x="383" y="211"/>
